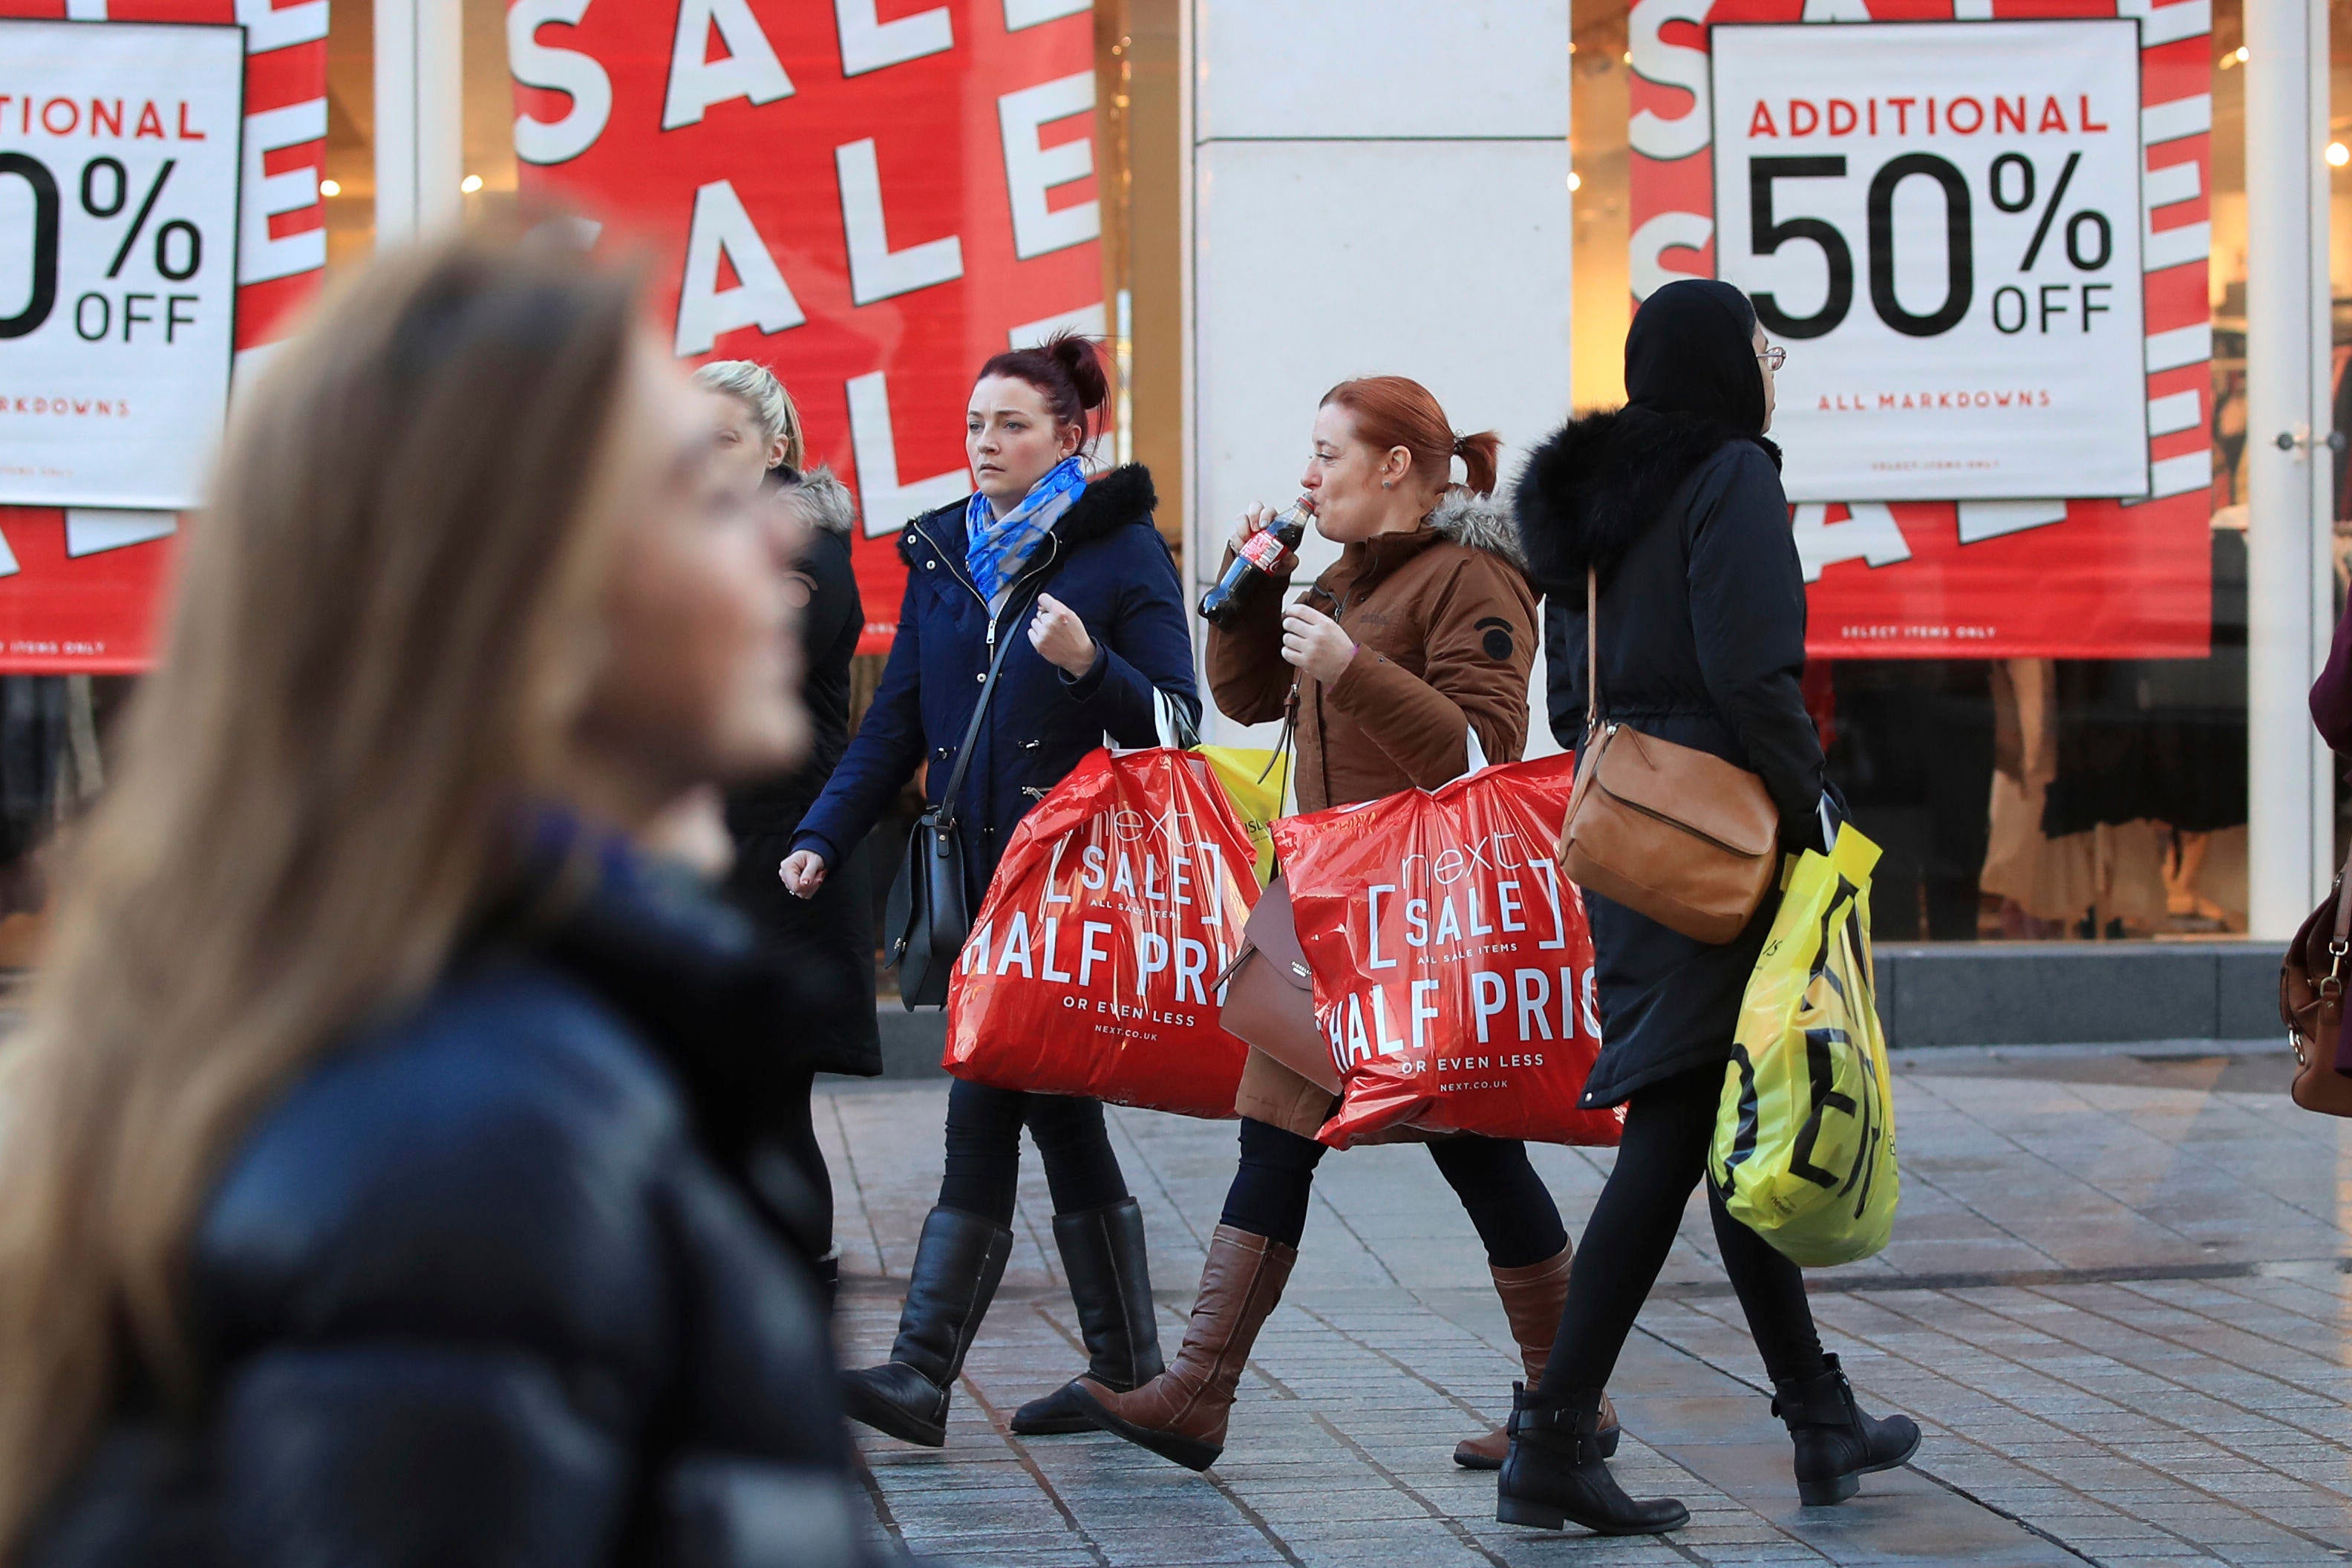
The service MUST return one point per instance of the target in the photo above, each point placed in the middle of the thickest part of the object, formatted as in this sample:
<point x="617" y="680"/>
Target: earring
<point x="1388" y="484"/>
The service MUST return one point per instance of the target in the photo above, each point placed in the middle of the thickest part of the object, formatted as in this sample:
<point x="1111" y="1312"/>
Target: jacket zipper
<point x="1012" y="598"/>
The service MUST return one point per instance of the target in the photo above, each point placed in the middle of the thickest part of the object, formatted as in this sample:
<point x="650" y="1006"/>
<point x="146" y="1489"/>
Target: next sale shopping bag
<point x="1092" y="967"/>
<point x="1453" y="966"/>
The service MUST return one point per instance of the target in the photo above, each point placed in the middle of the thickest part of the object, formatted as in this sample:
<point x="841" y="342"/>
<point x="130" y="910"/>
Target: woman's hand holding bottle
<point x="1253" y="523"/>
<point x="1264" y="543"/>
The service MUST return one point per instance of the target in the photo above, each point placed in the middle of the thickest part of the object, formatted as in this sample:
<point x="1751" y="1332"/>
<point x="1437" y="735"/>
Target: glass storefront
<point x="2017" y="797"/>
<point x="2030" y="797"/>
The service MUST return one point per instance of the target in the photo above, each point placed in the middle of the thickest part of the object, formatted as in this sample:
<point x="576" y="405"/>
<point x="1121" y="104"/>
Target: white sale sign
<point x="119" y="152"/>
<point x="1941" y="221"/>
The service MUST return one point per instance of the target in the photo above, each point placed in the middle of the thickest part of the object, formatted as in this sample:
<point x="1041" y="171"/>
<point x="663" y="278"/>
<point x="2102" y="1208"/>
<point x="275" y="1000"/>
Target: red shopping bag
<point x="1453" y="964"/>
<point x="1094" y="963"/>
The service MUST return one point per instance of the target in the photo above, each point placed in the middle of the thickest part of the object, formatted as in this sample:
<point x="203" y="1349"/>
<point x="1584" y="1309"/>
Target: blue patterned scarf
<point x="996" y="548"/>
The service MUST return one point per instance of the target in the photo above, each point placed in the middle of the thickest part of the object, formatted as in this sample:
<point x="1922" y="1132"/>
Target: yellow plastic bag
<point x="1255" y="780"/>
<point x="1804" y="1141"/>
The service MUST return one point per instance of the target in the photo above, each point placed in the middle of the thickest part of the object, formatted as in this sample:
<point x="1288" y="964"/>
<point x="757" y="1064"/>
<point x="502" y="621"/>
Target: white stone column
<point x="419" y="117"/>
<point x="1376" y="187"/>
<point x="2290" y="594"/>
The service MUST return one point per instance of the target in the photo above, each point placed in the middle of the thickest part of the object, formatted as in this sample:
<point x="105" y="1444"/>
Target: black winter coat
<point x="828" y="938"/>
<point x="1702" y="643"/>
<point x="507" y="1279"/>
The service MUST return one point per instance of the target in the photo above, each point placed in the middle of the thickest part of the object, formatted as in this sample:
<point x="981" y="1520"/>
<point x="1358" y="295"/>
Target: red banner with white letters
<point x="871" y="199"/>
<point x="1993" y="237"/>
<point x="81" y="589"/>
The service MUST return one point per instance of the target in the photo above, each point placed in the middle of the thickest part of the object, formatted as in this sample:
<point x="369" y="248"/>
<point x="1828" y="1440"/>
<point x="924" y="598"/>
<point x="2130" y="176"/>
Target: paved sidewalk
<point x="2116" y="1302"/>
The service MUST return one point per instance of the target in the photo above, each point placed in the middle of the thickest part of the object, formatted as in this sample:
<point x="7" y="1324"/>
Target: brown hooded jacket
<point x="1445" y="629"/>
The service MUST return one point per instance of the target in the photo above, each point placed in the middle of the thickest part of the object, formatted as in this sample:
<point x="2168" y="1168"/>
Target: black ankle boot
<point x="1554" y="1475"/>
<point x="1110" y="1282"/>
<point x="1836" y="1444"/>
<point x="958" y="1264"/>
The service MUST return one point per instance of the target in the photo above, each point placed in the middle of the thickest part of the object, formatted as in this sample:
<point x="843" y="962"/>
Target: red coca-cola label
<point x="1263" y="550"/>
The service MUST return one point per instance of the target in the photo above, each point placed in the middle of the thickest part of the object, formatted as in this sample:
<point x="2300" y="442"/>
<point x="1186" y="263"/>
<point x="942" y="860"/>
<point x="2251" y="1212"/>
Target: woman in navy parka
<point x="1076" y="565"/>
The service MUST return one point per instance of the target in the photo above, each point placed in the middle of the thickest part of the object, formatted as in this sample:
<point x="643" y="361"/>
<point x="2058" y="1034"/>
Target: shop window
<point x="2027" y="796"/>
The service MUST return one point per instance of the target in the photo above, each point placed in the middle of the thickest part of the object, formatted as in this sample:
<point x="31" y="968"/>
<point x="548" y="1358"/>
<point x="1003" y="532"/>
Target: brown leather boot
<point x="1181" y="1414"/>
<point x="1532" y="1299"/>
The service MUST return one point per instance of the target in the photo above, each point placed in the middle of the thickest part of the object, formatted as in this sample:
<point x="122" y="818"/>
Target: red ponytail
<point x="1478" y="454"/>
<point x="1397" y="411"/>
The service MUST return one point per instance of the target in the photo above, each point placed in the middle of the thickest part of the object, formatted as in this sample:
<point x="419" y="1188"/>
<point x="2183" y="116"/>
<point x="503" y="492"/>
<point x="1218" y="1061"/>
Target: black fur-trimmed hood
<point x="1112" y="499"/>
<point x="1591" y="490"/>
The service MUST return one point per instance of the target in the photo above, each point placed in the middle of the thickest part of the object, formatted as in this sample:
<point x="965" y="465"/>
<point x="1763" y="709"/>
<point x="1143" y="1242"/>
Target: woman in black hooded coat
<point x="1675" y="501"/>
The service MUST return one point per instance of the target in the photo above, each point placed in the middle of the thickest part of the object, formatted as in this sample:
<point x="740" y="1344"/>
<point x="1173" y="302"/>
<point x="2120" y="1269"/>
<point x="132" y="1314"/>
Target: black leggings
<point x="1663" y="1155"/>
<point x="1506" y="1199"/>
<point x="983" y="1168"/>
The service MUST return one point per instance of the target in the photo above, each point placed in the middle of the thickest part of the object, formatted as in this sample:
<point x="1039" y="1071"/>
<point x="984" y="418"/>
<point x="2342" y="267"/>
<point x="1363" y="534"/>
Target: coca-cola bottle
<point x="1255" y="559"/>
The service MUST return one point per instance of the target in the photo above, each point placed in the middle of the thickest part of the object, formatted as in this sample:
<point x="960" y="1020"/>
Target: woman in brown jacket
<point x="1423" y="632"/>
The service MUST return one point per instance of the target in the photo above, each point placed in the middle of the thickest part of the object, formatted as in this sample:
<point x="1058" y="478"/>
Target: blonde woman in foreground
<point x="377" y="1185"/>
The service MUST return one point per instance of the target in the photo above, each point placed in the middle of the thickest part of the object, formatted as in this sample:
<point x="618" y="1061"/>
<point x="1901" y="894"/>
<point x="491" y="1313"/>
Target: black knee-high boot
<point x="1111" y="1283"/>
<point x="958" y="1264"/>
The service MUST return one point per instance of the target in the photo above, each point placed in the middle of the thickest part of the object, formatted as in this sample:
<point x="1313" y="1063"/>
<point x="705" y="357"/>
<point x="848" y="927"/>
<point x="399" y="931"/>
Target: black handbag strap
<point x="1591" y="650"/>
<point x="947" y="807"/>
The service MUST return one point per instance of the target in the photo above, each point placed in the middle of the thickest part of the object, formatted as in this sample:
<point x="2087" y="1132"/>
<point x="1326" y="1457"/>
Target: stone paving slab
<point x="2116" y="1303"/>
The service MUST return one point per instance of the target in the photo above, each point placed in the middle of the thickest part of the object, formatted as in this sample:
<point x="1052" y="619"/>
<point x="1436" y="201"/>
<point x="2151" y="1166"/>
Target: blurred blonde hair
<point x="386" y="627"/>
<point x="755" y="386"/>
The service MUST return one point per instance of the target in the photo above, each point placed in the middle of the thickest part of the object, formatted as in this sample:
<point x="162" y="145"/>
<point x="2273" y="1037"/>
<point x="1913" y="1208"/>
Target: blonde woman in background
<point x="828" y="937"/>
<point x="379" y="1186"/>
<point x="756" y="427"/>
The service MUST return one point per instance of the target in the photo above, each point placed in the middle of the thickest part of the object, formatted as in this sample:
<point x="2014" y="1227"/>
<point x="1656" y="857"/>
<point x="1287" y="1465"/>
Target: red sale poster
<point x="80" y="588"/>
<point x="870" y="198"/>
<point x="1989" y="268"/>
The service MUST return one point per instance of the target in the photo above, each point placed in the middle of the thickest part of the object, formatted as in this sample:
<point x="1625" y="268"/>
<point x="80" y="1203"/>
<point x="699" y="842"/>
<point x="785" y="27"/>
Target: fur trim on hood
<point x="1478" y="521"/>
<point x="1112" y="499"/>
<point x="1592" y="490"/>
<point x="824" y="501"/>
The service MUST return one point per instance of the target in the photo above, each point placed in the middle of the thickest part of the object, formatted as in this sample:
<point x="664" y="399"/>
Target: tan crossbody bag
<point x="1668" y="831"/>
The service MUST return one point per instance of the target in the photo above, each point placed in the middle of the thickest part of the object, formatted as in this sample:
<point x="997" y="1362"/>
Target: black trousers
<point x="983" y="1163"/>
<point x="796" y="1130"/>
<point x="1506" y="1199"/>
<point x="1661" y="1158"/>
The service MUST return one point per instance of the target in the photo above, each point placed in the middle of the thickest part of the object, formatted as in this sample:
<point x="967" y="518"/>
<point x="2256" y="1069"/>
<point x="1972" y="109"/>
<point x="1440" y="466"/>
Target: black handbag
<point x="928" y="915"/>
